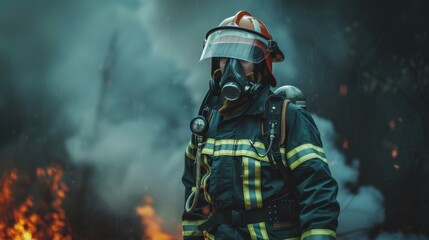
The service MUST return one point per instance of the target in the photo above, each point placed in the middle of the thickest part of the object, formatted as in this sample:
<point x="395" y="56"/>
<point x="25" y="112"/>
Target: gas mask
<point x="234" y="84"/>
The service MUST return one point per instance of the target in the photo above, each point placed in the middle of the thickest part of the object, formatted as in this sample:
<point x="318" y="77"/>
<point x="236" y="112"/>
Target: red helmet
<point x="242" y="37"/>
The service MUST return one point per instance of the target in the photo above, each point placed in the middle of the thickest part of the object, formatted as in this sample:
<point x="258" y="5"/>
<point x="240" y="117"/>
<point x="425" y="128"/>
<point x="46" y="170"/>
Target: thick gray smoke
<point x="359" y="211"/>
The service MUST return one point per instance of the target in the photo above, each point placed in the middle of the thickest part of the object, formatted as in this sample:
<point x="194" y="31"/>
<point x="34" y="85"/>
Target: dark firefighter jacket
<point x="235" y="177"/>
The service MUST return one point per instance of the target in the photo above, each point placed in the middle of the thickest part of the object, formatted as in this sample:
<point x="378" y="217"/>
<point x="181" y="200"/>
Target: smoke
<point x="177" y="33"/>
<point x="361" y="210"/>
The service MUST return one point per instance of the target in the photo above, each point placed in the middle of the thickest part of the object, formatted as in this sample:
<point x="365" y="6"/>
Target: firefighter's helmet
<point x="243" y="37"/>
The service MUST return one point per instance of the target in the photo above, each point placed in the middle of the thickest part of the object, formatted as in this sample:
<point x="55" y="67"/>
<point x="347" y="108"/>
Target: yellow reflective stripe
<point x="252" y="232"/>
<point x="258" y="190"/>
<point x="192" y="234"/>
<point x="207" y="151"/>
<point x="294" y="238"/>
<point x="189" y="154"/>
<point x="208" y="236"/>
<point x="243" y="153"/>
<point x="191" y="145"/>
<point x="193" y="222"/>
<point x="263" y="234"/>
<point x="252" y="192"/>
<point x="306" y="158"/>
<point x="263" y="230"/>
<point x="302" y="147"/>
<point x="234" y="147"/>
<point x="239" y="153"/>
<point x="233" y="142"/>
<point x="246" y="193"/>
<point x="254" y="184"/>
<point x="312" y="232"/>
<point x="192" y="225"/>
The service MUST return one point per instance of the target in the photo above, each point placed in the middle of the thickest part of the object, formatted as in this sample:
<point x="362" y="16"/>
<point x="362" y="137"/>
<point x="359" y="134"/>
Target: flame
<point x="394" y="153"/>
<point x="151" y="222"/>
<point x="30" y="221"/>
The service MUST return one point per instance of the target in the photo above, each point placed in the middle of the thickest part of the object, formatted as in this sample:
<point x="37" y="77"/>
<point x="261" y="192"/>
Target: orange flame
<point x="394" y="153"/>
<point x="27" y="221"/>
<point x="151" y="222"/>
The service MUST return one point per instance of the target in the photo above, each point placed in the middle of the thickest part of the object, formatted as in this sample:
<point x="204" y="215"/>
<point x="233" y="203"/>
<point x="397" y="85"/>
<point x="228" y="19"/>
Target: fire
<point x="151" y="222"/>
<point x="34" y="220"/>
<point x="394" y="153"/>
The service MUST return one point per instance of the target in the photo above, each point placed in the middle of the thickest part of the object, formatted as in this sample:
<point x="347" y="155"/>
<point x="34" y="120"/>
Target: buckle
<point x="237" y="218"/>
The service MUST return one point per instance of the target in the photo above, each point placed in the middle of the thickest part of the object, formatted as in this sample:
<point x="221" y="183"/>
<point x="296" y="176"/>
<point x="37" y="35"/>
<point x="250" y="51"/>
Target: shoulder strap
<point x="276" y="117"/>
<point x="274" y="105"/>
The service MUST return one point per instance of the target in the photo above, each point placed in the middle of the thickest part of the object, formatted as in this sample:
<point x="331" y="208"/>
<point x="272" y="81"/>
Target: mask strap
<point x="216" y="74"/>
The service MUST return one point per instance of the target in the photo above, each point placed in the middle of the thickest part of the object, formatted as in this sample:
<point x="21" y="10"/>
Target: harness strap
<point x="276" y="116"/>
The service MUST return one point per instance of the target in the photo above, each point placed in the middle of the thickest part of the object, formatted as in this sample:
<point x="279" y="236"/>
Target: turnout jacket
<point x="235" y="177"/>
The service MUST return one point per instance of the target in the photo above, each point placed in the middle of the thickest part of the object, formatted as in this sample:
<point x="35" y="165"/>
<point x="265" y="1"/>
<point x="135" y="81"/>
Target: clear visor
<point x="231" y="43"/>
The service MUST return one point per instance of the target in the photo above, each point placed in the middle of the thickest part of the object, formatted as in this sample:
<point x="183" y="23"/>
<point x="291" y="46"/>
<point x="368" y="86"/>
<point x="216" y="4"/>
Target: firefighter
<point x="249" y="175"/>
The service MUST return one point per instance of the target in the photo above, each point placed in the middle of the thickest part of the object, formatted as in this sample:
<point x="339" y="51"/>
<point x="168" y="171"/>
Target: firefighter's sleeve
<point x="316" y="188"/>
<point x="190" y="221"/>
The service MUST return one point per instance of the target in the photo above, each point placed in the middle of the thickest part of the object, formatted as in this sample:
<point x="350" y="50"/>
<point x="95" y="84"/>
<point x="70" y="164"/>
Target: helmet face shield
<point x="231" y="43"/>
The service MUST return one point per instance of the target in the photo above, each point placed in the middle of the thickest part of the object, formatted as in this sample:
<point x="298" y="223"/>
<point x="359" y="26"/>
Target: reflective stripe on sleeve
<point x="304" y="153"/>
<point x="190" y="149"/>
<point x="312" y="232"/>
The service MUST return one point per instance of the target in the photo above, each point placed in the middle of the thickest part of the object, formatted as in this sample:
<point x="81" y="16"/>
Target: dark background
<point x="107" y="88"/>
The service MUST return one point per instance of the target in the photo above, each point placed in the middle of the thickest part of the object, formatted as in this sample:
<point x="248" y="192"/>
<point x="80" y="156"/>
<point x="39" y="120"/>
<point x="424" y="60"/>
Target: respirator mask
<point x="234" y="84"/>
